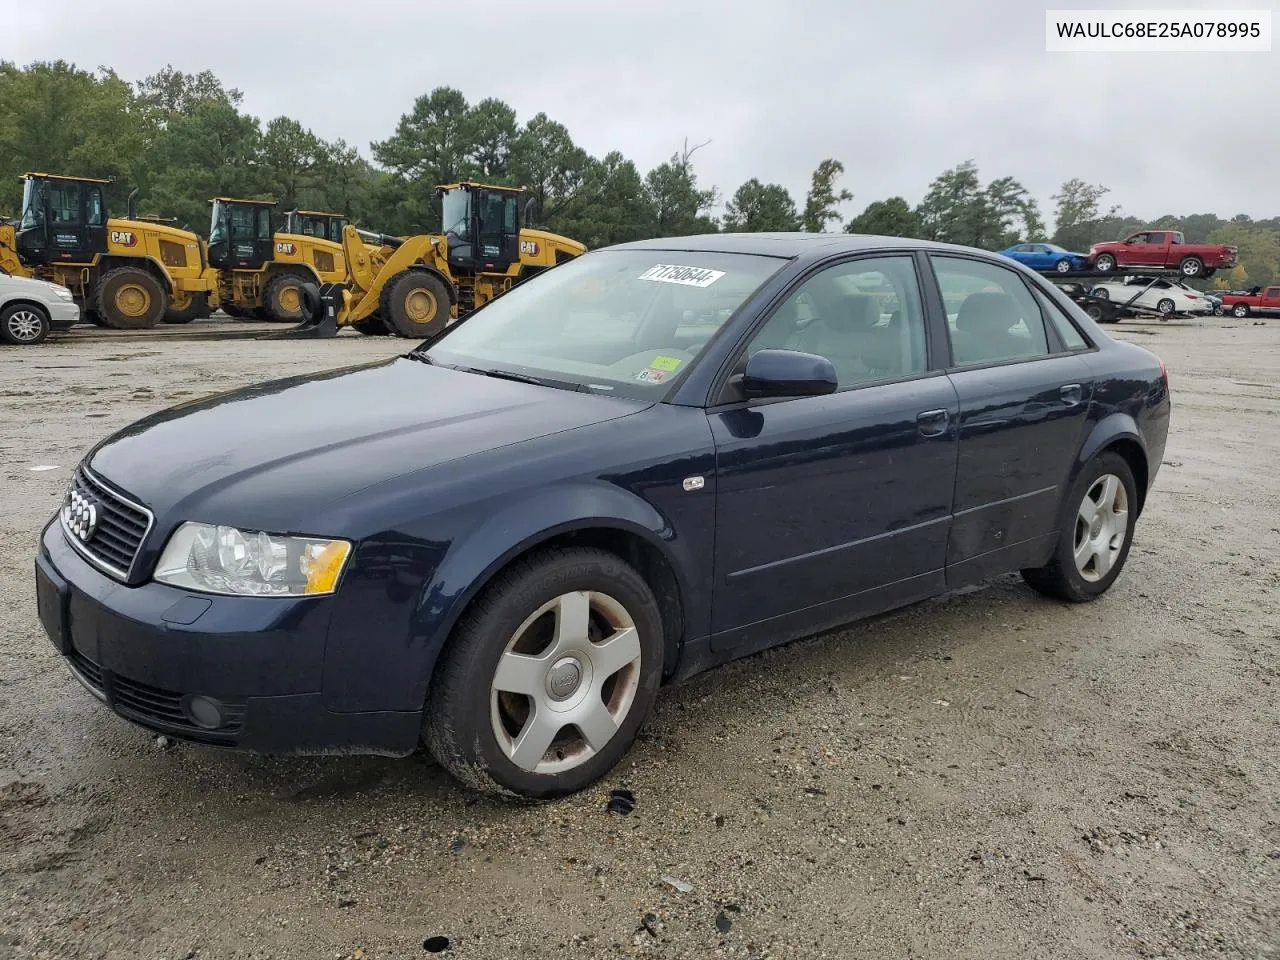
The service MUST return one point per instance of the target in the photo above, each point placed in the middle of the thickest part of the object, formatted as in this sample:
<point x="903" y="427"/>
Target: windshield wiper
<point x="517" y="377"/>
<point x="522" y="378"/>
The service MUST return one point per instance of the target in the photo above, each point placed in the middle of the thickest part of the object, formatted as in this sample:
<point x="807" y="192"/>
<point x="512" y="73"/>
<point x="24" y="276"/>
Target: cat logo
<point x="286" y="248"/>
<point x="124" y="238"/>
<point x="530" y="247"/>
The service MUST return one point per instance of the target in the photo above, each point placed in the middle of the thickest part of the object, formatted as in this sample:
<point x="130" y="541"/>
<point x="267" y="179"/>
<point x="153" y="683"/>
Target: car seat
<point x="845" y="334"/>
<point x="983" y="329"/>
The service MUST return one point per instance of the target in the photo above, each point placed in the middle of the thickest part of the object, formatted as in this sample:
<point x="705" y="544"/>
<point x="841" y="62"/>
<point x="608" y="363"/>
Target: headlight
<point x="250" y="563"/>
<point x="62" y="292"/>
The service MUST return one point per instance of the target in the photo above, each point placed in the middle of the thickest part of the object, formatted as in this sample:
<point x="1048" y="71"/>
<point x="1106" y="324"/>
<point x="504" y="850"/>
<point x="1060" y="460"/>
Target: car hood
<point x="28" y="285"/>
<point x="271" y="455"/>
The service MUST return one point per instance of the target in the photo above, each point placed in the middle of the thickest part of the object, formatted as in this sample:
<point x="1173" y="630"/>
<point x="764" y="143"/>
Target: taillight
<point x="1164" y="372"/>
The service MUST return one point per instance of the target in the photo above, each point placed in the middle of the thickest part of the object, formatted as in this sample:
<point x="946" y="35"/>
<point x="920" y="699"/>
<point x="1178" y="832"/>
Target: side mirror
<point x="788" y="373"/>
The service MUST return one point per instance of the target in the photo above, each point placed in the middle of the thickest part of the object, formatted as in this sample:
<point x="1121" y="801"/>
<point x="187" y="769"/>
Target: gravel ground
<point x="989" y="774"/>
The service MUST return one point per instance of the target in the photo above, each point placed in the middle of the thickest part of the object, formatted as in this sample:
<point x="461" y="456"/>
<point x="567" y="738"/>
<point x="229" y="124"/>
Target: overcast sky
<point x="898" y="90"/>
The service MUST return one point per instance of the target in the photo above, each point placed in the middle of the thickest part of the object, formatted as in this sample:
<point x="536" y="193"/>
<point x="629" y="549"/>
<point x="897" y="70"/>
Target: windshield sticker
<point x="650" y="375"/>
<point x="669" y="364"/>
<point x="686" y="276"/>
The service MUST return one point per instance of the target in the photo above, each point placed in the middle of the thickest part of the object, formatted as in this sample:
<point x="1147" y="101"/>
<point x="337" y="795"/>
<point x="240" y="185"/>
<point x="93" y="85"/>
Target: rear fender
<point x="1108" y="431"/>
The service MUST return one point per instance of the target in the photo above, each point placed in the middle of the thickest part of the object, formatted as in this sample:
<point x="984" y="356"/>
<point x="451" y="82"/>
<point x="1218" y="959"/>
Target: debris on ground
<point x="621" y="802"/>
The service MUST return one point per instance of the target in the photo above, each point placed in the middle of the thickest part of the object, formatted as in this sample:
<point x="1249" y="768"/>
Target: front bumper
<point x="63" y="314"/>
<point x="158" y="656"/>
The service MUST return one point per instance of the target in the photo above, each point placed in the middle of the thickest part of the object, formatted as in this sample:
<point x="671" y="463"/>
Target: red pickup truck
<point x="1257" y="300"/>
<point x="1162" y="248"/>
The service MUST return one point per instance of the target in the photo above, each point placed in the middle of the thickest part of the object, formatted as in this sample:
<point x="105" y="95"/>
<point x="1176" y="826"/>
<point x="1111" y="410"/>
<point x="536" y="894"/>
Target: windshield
<point x="32" y="203"/>
<point x="456" y="210"/>
<point x="625" y="322"/>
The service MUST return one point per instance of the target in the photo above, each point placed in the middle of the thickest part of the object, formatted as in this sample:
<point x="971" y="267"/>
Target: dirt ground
<point x="986" y="775"/>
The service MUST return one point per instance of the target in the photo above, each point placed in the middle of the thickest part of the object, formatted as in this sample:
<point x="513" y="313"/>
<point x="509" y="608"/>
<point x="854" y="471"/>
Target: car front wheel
<point x="548" y="677"/>
<point x="23" y="325"/>
<point x="1105" y="263"/>
<point x="1063" y="266"/>
<point x="1095" y="533"/>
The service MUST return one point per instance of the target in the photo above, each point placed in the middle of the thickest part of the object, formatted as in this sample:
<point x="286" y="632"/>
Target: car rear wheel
<point x="23" y="325"/>
<point x="1191" y="266"/>
<point x="1105" y="263"/>
<point x="1095" y="534"/>
<point x="1240" y="310"/>
<point x="549" y="676"/>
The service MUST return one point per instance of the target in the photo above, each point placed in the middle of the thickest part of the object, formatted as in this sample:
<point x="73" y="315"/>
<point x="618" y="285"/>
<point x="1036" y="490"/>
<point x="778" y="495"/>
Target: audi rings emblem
<point x="80" y="516"/>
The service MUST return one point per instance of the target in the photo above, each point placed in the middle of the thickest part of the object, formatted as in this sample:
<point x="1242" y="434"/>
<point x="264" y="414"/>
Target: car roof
<point x="790" y="245"/>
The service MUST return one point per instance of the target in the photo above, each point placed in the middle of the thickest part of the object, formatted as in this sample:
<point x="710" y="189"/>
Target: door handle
<point x="1071" y="394"/>
<point x="932" y="423"/>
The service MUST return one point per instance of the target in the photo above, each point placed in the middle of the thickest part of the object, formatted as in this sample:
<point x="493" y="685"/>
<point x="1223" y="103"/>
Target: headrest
<point x="988" y="313"/>
<point x="853" y="311"/>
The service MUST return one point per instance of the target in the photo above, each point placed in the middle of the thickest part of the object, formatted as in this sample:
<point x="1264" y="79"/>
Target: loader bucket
<point x="320" y="305"/>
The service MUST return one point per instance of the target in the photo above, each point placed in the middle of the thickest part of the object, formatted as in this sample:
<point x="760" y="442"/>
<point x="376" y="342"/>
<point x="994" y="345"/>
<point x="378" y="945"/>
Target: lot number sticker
<point x="686" y="276"/>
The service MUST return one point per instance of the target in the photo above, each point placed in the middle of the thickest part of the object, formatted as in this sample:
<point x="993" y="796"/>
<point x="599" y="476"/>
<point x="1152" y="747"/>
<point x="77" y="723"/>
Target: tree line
<point x="184" y="138"/>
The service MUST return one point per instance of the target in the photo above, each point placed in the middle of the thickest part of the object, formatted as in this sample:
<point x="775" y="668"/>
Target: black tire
<point x="1098" y="314"/>
<point x="1191" y="267"/>
<point x="458" y="728"/>
<point x="1060" y="578"/>
<point x="1105" y="263"/>
<point x="236" y="312"/>
<point x="372" y="326"/>
<point x="197" y="307"/>
<point x="24" y="324"/>
<point x="1102" y="293"/>
<point x="1240" y="310"/>
<point x="415" y="304"/>
<point x="282" y="298"/>
<point x="1166" y="307"/>
<point x="91" y="315"/>
<point x="130" y="298"/>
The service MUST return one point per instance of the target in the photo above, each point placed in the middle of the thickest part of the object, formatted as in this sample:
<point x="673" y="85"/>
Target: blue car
<point x="649" y="460"/>
<point x="1046" y="256"/>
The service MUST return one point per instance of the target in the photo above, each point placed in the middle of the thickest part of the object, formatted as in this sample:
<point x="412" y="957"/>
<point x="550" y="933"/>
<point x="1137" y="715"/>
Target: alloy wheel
<point x="25" y="326"/>
<point x="565" y="682"/>
<point x="1102" y="523"/>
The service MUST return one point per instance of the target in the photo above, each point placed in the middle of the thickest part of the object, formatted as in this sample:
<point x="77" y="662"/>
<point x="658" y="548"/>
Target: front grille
<point x="105" y="527"/>
<point x="155" y="707"/>
<point x="88" y="670"/>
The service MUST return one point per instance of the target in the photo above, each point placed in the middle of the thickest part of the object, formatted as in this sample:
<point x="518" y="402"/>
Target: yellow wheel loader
<point x="260" y="272"/>
<point x="126" y="273"/>
<point x="413" y="286"/>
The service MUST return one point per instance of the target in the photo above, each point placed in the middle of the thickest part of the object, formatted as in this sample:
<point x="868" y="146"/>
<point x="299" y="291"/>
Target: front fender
<point x="405" y="594"/>
<point x="520" y="527"/>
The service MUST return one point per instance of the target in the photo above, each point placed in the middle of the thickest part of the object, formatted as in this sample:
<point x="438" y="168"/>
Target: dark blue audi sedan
<point x="645" y="462"/>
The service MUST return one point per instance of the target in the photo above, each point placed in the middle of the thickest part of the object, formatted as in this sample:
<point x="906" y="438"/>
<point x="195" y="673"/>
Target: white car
<point x="1163" y="296"/>
<point x="29" y="309"/>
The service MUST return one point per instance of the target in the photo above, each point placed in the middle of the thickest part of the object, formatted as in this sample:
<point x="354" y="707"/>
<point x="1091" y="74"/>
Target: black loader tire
<point x="372" y="326"/>
<point x="282" y="298"/>
<point x="130" y="298"/>
<point x="197" y="307"/>
<point x="415" y="304"/>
